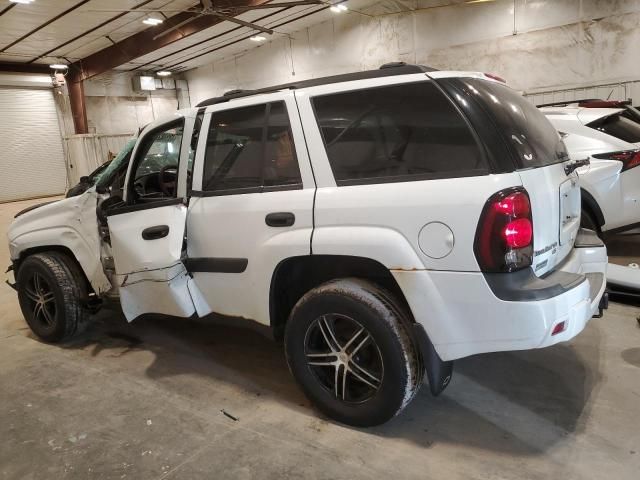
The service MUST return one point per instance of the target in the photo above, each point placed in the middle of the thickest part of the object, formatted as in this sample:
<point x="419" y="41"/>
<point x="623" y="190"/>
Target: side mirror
<point x="84" y="179"/>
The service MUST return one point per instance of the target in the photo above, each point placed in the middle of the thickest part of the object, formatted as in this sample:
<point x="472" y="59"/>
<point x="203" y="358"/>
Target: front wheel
<point x="348" y="346"/>
<point x="51" y="292"/>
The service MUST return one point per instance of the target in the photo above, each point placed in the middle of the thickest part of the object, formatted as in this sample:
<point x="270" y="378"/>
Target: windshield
<point x="523" y="126"/>
<point x="102" y="177"/>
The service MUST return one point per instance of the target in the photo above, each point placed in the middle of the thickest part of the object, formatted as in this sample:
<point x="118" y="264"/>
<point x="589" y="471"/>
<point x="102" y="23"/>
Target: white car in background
<point x="610" y="138"/>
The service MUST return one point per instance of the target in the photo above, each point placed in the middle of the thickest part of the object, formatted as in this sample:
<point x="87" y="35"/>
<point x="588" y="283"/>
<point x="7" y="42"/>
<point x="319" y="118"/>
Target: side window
<point x="280" y="163"/>
<point x="233" y="158"/>
<point x="156" y="167"/>
<point x="249" y="148"/>
<point x="401" y="133"/>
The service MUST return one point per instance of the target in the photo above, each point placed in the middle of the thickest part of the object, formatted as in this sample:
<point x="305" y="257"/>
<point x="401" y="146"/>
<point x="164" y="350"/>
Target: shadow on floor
<point x="519" y="403"/>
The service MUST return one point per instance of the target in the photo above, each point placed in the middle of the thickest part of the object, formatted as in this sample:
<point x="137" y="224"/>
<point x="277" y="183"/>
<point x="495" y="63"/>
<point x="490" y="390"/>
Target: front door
<point x="148" y="232"/>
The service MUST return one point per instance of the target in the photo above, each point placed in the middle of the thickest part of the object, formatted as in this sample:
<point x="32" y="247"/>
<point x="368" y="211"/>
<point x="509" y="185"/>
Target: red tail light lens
<point x="629" y="158"/>
<point x="504" y="237"/>
<point x="518" y="233"/>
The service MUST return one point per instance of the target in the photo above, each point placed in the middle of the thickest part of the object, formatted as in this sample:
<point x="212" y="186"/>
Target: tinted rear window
<point x="618" y="126"/>
<point x="523" y="126"/>
<point x="396" y="133"/>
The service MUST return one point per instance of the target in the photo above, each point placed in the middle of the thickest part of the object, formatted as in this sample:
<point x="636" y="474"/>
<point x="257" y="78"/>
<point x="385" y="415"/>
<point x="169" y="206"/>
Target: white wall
<point x="557" y="44"/>
<point x="114" y="108"/>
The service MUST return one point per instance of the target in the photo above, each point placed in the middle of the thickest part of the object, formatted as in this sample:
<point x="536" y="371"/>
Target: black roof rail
<point x="564" y="103"/>
<point x="235" y="92"/>
<point x="386" y="70"/>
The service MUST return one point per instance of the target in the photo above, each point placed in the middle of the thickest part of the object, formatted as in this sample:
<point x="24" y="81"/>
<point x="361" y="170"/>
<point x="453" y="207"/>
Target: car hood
<point x="47" y="215"/>
<point x="33" y="207"/>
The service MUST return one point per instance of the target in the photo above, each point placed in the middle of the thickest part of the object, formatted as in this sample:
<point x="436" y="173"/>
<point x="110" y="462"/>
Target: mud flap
<point x="439" y="372"/>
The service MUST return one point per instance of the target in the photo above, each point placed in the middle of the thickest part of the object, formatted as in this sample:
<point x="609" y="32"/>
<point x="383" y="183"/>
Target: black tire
<point x="388" y="352"/>
<point x="587" y="220"/>
<point x="52" y="292"/>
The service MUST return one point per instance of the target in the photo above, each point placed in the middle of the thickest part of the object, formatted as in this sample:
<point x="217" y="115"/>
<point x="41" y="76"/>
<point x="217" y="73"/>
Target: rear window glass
<point x="618" y="126"/>
<point x="397" y="133"/>
<point x="525" y="128"/>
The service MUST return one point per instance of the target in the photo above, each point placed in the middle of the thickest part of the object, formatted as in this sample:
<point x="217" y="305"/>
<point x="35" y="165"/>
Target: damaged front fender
<point x="70" y="223"/>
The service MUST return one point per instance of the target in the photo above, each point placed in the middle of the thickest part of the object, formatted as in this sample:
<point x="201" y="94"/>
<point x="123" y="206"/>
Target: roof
<point x="386" y="70"/>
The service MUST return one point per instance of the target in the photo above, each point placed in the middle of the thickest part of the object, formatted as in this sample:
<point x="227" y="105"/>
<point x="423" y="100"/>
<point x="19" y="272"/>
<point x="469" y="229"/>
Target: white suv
<point x="610" y="139"/>
<point x="381" y="223"/>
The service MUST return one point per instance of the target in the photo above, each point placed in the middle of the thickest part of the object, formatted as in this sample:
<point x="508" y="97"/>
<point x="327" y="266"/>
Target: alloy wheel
<point x="41" y="300"/>
<point x="344" y="357"/>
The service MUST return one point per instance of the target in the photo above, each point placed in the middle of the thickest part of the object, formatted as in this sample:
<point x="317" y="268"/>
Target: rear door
<point x="251" y="206"/>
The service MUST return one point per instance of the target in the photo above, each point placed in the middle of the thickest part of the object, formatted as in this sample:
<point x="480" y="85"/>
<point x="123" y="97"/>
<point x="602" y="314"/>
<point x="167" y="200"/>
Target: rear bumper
<point x="463" y="315"/>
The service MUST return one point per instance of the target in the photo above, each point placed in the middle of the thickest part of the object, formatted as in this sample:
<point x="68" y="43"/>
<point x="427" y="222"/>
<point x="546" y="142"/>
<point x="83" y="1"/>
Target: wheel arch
<point x="69" y="241"/>
<point x="590" y="203"/>
<point x="295" y="276"/>
<point x="53" y="248"/>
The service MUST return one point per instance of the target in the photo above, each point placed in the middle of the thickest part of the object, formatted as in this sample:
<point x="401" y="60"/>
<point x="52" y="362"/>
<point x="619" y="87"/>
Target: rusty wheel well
<point x="295" y="276"/>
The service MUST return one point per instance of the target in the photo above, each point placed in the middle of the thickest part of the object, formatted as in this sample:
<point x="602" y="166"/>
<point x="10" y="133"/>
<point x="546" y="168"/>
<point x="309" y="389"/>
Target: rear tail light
<point x="629" y="158"/>
<point x="559" y="328"/>
<point x="504" y="237"/>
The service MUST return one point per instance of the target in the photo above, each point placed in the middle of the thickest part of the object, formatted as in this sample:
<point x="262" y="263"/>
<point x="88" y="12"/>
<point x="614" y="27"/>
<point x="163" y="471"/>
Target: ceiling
<point x="65" y="31"/>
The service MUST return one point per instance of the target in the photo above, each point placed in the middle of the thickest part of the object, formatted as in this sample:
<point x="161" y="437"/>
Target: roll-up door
<point x="31" y="154"/>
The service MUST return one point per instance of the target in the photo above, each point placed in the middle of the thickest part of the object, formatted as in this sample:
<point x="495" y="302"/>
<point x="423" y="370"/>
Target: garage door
<point x="31" y="156"/>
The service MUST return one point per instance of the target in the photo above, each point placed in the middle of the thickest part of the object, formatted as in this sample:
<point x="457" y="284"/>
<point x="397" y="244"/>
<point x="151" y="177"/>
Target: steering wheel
<point x="168" y="188"/>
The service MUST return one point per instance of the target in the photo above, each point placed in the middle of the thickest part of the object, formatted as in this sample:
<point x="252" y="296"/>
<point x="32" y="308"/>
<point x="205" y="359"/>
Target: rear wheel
<point x="51" y="292"/>
<point x="348" y="346"/>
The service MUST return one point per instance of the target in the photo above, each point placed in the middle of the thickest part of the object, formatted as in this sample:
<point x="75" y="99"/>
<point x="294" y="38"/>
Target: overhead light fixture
<point x="152" y="21"/>
<point x="258" y="38"/>
<point x="57" y="66"/>
<point x="163" y="73"/>
<point x="339" y="8"/>
<point x="24" y="2"/>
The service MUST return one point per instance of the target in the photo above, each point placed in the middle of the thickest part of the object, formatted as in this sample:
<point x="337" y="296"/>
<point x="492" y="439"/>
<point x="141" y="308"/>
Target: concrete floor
<point x="144" y="401"/>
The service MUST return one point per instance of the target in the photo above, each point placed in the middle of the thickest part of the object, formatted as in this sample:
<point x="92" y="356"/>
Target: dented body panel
<point x="70" y="223"/>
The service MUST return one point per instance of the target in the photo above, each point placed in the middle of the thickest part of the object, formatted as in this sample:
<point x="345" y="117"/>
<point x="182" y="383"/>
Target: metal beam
<point x="7" y="8"/>
<point x="23" y="68"/>
<point x="77" y="37"/>
<point x="147" y="41"/>
<point x="220" y="47"/>
<point x="193" y="45"/>
<point x="78" y="109"/>
<point x="48" y="22"/>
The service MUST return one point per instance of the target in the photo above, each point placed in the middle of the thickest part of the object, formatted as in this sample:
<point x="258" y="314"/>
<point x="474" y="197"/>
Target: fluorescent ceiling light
<point x="152" y="21"/>
<point x="58" y="66"/>
<point x="163" y="73"/>
<point x="339" y="8"/>
<point x="25" y="2"/>
<point x="258" y="38"/>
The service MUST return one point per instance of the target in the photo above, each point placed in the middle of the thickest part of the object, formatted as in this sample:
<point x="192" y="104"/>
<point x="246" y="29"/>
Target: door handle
<point x="154" y="233"/>
<point x="280" y="219"/>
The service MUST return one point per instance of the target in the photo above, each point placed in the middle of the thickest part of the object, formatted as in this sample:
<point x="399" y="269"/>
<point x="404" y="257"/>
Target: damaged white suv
<point x="382" y="223"/>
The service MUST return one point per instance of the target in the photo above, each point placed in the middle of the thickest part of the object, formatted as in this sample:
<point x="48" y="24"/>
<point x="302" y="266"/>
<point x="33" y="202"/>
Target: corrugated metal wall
<point x="31" y="154"/>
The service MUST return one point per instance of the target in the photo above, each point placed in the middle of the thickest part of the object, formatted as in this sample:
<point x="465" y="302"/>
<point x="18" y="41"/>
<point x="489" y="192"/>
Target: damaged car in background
<point x="346" y="213"/>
